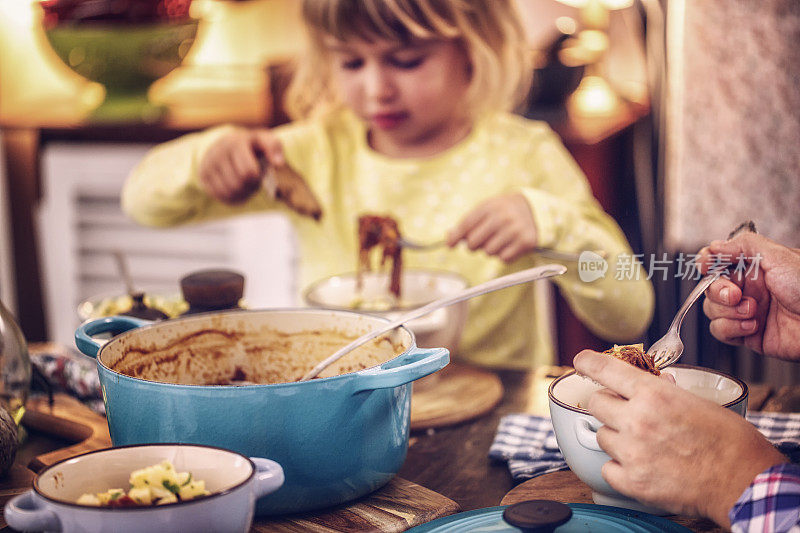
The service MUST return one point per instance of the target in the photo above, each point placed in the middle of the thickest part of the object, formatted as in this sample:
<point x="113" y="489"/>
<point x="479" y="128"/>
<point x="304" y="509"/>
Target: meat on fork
<point x="381" y="231"/>
<point x="285" y="184"/>
<point x="635" y="355"/>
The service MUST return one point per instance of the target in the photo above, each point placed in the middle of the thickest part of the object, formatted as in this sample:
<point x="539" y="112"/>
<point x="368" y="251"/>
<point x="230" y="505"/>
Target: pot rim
<point x="348" y="375"/>
<point x="745" y="390"/>
<point x="200" y="499"/>
<point x="353" y="274"/>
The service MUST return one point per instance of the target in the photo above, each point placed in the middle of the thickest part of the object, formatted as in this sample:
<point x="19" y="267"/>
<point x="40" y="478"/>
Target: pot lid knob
<point x="213" y="289"/>
<point x="537" y="516"/>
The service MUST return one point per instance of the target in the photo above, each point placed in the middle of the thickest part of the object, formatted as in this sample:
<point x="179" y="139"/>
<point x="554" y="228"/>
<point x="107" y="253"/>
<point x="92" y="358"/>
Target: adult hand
<point x="670" y="448"/>
<point x="502" y="226"/>
<point x="230" y="170"/>
<point x="759" y="306"/>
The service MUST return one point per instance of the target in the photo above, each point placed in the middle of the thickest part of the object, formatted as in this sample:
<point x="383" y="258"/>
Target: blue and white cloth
<point x="771" y="504"/>
<point x="528" y="444"/>
<point x="71" y="373"/>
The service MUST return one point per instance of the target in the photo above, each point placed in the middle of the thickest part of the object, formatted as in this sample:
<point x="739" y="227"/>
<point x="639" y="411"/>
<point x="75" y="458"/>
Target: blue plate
<point x="585" y="518"/>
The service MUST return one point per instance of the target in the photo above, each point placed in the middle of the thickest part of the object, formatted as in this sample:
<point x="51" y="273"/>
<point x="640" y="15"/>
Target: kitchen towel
<point x="71" y="373"/>
<point x="528" y="444"/>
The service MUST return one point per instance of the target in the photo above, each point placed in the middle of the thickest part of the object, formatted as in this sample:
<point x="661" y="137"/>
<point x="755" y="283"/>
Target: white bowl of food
<point x="152" y="487"/>
<point x="576" y="429"/>
<point x="442" y="327"/>
<point x="110" y="304"/>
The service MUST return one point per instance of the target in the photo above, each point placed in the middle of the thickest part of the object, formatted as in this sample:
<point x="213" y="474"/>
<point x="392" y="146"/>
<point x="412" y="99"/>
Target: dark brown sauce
<point x="182" y="340"/>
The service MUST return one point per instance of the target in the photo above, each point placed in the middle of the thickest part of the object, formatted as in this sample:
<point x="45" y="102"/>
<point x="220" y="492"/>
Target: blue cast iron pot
<point x="337" y="438"/>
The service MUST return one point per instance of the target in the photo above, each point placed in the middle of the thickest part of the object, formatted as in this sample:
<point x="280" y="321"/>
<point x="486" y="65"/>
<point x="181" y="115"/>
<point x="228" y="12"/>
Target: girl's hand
<point x="501" y="226"/>
<point x="231" y="170"/>
<point x="759" y="306"/>
<point x="668" y="447"/>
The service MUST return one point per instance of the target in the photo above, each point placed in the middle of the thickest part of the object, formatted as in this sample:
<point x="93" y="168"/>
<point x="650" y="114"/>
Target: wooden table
<point x="453" y="460"/>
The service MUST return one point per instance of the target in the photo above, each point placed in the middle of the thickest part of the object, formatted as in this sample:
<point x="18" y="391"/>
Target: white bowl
<point x="113" y="303"/>
<point x="442" y="327"/>
<point x="576" y="429"/>
<point x="235" y="482"/>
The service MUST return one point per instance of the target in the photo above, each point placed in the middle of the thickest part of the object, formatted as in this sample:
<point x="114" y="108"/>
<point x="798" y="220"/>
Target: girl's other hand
<point x="231" y="170"/>
<point x="502" y="226"/>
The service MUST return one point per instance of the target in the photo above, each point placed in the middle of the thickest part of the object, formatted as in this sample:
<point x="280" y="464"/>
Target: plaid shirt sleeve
<point x="771" y="504"/>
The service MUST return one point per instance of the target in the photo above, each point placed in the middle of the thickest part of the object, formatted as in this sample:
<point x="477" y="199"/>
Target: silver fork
<point x="544" y="252"/>
<point x="669" y="348"/>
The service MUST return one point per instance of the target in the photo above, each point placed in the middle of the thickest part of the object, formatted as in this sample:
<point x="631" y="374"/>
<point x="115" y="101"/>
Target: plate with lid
<point x="544" y="516"/>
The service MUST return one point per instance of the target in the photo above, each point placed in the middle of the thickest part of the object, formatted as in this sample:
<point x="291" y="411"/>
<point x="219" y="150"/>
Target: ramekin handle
<point x="587" y="435"/>
<point x="25" y="513"/>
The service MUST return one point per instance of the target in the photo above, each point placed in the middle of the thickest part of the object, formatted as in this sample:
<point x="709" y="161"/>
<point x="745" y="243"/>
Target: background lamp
<point x="594" y="95"/>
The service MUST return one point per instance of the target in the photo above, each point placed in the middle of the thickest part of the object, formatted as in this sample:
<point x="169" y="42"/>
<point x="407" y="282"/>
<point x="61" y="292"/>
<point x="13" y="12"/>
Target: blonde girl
<point x="402" y="108"/>
<point x="490" y="33"/>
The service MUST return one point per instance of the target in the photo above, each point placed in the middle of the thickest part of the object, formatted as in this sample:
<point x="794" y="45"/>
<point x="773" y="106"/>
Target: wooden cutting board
<point x="565" y="487"/>
<point x="69" y="419"/>
<point x="455" y="394"/>
<point x="397" y="506"/>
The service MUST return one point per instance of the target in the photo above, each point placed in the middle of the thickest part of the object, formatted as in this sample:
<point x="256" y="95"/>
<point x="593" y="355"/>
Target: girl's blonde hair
<point x="489" y="30"/>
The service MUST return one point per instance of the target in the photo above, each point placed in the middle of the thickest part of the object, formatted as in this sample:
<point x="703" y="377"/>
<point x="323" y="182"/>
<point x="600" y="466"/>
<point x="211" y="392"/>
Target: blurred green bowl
<point x="126" y="59"/>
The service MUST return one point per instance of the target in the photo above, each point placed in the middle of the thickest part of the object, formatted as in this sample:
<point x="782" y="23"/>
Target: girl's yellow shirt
<point x="428" y="196"/>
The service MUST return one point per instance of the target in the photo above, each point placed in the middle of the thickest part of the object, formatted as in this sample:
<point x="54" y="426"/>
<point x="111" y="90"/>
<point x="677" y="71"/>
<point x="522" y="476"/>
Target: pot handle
<point x="416" y="364"/>
<point x="25" y="513"/>
<point x="269" y="476"/>
<point x="587" y="435"/>
<point x="114" y="324"/>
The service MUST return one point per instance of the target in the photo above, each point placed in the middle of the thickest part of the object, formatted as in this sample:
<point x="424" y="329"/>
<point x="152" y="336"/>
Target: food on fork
<point x="635" y="355"/>
<point x="286" y="185"/>
<point x="380" y="231"/>
<point x="154" y="485"/>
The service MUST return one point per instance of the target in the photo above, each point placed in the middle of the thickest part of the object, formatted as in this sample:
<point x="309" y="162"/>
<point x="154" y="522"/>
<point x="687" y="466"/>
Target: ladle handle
<point x="524" y="276"/>
<point x="122" y="266"/>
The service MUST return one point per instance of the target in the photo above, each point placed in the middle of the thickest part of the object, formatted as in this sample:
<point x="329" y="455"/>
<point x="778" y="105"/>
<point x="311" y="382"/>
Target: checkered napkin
<point x="527" y="443"/>
<point x="72" y="373"/>
<point x="782" y="429"/>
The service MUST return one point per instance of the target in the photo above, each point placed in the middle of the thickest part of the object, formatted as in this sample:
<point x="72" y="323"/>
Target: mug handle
<point x="26" y="513"/>
<point x="116" y="324"/>
<point x="587" y="435"/>
<point x="416" y="364"/>
<point x="269" y="476"/>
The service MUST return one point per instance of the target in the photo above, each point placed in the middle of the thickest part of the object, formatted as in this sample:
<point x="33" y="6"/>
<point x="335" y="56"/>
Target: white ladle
<point x="524" y="276"/>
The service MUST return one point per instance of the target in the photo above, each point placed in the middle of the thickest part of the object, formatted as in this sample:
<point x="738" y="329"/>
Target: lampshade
<point x="223" y="77"/>
<point x="36" y="84"/>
